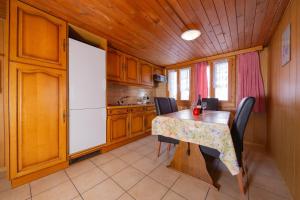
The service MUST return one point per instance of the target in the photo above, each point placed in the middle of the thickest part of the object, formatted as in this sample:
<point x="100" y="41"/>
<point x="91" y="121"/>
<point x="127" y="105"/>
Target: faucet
<point x="121" y="100"/>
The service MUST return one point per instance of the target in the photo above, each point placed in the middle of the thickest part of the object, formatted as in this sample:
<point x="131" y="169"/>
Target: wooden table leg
<point x="192" y="163"/>
<point x="240" y="181"/>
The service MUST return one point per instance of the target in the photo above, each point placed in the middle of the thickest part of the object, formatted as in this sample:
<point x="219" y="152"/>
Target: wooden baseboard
<point x="112" y="146"/>
<point x="36" y="175"/>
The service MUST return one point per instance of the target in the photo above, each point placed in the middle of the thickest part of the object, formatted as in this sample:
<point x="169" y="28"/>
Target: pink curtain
<point x="200" y="80"/>
<point x="250" y="81"/>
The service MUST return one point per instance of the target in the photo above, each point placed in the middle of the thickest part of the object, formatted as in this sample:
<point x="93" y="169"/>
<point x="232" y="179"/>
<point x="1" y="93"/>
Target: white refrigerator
<point x="87" y="96"/>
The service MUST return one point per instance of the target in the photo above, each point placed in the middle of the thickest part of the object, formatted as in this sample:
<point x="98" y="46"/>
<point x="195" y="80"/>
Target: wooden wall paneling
<point x="2" y="135"/>
<point x="283" y="112"/>
<point x="3" y="8"/>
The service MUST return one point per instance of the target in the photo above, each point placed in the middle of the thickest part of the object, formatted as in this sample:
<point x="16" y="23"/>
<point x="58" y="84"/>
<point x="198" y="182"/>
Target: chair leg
<point x="159" y="147"/>
<point x="168" y="148"/>
<point x="240" y="182"/>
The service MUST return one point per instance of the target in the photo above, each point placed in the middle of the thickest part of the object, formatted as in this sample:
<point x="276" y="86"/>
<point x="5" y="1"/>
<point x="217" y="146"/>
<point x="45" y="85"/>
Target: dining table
<point x="209" y="129"/>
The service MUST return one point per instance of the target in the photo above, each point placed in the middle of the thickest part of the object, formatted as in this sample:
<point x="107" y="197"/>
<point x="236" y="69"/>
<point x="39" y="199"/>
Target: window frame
<point x="178" y="96"/>
<point x="230" y="104"/>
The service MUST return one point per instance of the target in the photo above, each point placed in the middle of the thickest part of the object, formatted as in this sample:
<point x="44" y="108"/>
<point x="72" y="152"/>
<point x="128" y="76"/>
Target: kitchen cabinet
<point x="148" y="117"/>
<point x="115" y="65"/>
<point x="37" y="118"/>
<point x="37" y="93"/>
<point x="132" y="70"/>
<point x="126" y="123"/>
<point x="146" y="74"/>
<point x="36" y="37"/>
<point x="137" y="122"/>
<point x="158" y="70"/>
<point x="126" y="69"/>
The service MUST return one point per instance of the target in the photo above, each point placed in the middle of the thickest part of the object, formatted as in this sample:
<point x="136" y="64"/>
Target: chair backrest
<point x="240" y="122"/>
<point x="212" y="103"/>
<point x="162" y="105"/>
<point x="173" y="104"/>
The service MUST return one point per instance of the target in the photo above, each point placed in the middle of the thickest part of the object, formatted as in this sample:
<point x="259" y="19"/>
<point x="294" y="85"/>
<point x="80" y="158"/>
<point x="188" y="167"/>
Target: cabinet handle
<point x="64" y="45"/>
<point x="64" y="116"/>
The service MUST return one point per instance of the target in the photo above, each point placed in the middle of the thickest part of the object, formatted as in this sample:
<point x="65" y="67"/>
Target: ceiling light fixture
<point x="191" y="34"/>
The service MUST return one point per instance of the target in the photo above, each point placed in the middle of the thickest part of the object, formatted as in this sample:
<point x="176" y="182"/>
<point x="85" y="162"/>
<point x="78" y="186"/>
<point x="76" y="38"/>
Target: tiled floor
<point x="134" y="172"/>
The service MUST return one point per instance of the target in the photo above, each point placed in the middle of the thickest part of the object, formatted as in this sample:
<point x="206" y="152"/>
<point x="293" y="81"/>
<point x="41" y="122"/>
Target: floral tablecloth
<point x="213" y="135"/>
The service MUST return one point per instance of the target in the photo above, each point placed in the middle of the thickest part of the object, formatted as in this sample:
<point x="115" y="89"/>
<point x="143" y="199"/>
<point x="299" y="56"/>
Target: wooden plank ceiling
<point x="151" y="29"/>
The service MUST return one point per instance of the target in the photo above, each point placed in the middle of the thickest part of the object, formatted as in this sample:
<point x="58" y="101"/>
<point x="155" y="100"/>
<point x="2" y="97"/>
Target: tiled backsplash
<point x="134" y="93"/>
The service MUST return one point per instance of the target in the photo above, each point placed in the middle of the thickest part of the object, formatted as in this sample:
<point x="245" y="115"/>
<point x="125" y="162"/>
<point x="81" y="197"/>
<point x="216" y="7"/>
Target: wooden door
<point x="115" y="65"/>
<point x="132" y="73"/>
<point x="136" y="123"/>
<point x="118" y="126"/>
<point x="37" y="37"/>
<point x="148" y="117"/>
<point x="146" y="74"/>
<point x="37" y="118"/>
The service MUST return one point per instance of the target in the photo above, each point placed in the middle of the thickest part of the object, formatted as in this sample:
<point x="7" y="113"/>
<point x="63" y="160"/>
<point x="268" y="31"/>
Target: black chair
<point x="163" y="106"/>
<point x="173" y="104"/>
<point x="237" y="130"/>
<point x="212" y="103"/>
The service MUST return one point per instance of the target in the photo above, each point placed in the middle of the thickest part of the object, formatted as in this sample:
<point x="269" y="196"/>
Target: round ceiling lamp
<point x="191" y="34"/>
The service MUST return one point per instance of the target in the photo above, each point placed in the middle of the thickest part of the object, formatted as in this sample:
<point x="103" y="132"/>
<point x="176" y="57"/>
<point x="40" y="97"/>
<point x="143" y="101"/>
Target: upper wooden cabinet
<point x="146" y="74"/>
<point x="37" y="117"/>
<point x="158" y="70"/>
<point x="132" y="70"/>
<point x="36" y="37"/>
<point x="115" y="65"/>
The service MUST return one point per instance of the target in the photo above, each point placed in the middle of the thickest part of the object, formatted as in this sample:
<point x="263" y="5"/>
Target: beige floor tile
<point x="19" y="193"/>
<point x="144" y="150"/>
<point x="162" y="158"/>
<point x="191" y="188"/>
<point x="128" y="177"/>
<point x="4" y="184"/>
<point x="146" y="165"/>
<point x="270" y="184"/>
<point x="120" y="151"/>
<point x="165" y="175"/>
<point x="107" y="190"/>
<point x="62" y="191"/>
<point x="134" y="145"/>
<point x="113" y="166"/>
<point x="216" y="195"/>
<point x="77" y="198"/>
<point x="172" y="196"/>
<point x="79" y="168"/>
<point x="102" y="158"/>
<point x="131" y="157"/>
<point x="148" y="189"/>
<point x="89" y="179"/>
<point x="261" y="194"/>
<point x="126" y="196"/>
<point x="48" y="182"/>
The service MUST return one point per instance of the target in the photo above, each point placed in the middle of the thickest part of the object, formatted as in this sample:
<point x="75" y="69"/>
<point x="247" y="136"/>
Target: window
<point x="220" y="80"/>
<point x="185" y="84"/>
<point x="172" y="84"/>
<point x="179" y="83"/>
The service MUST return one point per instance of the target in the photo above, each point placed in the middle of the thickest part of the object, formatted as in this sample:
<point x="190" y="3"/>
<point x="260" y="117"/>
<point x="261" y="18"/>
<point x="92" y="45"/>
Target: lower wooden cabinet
<point x="136" y="123"/>
<point x="148" y="117"/>
<point x="117" y="127"/>
<point x="126" y="123"/>
<point x="37" y="118"/>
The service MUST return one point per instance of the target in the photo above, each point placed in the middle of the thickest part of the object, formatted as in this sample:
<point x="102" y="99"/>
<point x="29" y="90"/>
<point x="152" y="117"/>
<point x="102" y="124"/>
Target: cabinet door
<point x="37" y="118"/>
<point x="146" y="74"/>
<point x="131" y="70"/>
<point x="37" y="37"/>
<point x="118" y="126"/>
<point x="115" y="67"/>
<point x="149" y="116"/>
<point x="158" y="70"/>
<point x="136" y="123"/>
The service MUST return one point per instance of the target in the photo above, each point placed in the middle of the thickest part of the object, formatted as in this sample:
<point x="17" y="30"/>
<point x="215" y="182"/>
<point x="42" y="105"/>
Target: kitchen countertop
<point x="128" y="106"/>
